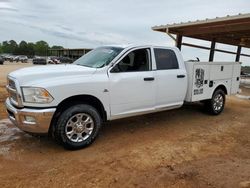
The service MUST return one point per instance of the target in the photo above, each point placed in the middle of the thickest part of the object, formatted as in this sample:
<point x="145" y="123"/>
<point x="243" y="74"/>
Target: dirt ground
<point x="176" y="149"/>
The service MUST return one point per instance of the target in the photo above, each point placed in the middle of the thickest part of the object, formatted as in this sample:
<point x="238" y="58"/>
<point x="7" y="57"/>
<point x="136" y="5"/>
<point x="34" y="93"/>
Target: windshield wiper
<point x="81" y="65"/>
<point x="84" y="65"/>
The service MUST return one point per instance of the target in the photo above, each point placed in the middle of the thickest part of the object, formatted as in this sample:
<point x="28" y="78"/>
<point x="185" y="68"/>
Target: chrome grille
<point x="11" y="84"/>
<point x="13" y="93"/>
<point x="13" y="96"/>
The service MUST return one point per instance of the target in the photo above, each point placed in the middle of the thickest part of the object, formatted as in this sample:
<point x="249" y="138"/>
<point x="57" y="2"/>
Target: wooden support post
<point x="237" y="59"/>
<point x="178" y="41"/>
<point x="212" y="49"/>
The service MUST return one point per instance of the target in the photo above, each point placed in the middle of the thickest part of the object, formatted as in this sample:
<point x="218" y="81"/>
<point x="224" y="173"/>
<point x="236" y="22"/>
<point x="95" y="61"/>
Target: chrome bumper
<point x="41" y="118"/>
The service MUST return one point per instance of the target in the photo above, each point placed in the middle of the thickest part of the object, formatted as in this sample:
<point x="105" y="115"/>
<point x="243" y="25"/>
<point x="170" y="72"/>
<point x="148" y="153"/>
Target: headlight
<point x="36" y="95"/>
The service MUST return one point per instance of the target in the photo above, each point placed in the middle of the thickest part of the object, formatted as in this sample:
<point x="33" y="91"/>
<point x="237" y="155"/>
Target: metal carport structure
<point x="232" y="30"/>
<point x="74" y="53"/>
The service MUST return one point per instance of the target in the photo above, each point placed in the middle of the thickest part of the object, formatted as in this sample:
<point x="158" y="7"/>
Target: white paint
<point x="220" y="73"/>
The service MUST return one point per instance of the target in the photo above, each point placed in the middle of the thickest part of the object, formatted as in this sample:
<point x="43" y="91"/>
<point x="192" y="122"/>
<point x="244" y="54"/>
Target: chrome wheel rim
<point x="218" y="102"/>
<point x="79" y="127"/>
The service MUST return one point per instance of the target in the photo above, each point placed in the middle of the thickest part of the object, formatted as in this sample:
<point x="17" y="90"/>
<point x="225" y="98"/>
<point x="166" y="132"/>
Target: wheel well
<point x="78" y="99"/>
<point x="222" y="87"/>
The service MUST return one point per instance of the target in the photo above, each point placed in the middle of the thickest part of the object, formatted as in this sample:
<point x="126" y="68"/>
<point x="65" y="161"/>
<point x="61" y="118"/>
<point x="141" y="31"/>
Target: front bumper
<point x="41" y="118"/>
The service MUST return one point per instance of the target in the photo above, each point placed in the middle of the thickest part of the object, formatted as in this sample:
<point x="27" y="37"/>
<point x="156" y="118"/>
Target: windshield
<point x="98" y="57"/>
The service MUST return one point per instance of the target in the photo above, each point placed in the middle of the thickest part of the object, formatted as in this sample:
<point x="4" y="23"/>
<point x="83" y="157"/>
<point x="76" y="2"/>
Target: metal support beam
<point x="178" y="41"/>
<point x="195" y="46"/>
<point x="216" y="50"/>
<point x="237" y="59"/>
<point x="170" y="35"/>
<point x="212" y="49"/>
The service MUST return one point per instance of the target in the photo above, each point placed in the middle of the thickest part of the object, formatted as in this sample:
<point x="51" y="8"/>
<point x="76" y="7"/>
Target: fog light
<point x="29" y="119"/>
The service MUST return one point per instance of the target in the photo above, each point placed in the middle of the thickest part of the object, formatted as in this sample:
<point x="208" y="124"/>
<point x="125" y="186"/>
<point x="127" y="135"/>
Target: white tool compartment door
<point x="200" y="89"/>
<point x="221" y="72"/>
<point x="236" y="78"/>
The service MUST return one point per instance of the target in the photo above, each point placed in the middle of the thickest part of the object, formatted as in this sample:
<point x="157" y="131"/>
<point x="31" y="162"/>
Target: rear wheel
<point x="216" y="105"/>
<point x="78" y="126"/>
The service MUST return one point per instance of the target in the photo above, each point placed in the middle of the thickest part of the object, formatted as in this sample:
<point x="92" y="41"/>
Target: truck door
<point x="132" y="84"/>
<point x="171" y="79"/>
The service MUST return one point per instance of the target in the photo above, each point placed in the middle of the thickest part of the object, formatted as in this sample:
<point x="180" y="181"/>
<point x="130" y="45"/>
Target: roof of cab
<point x="129" y="46"/>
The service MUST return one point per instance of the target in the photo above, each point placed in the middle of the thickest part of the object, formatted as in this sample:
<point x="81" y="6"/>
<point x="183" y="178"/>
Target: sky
<point x="91" y="23"/>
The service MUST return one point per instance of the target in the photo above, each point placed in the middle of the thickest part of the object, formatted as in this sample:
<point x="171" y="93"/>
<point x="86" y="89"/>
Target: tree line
<point x="29" y="49"/>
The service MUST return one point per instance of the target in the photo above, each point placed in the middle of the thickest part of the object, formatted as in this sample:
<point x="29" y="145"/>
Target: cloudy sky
<point x="91" y="23"/>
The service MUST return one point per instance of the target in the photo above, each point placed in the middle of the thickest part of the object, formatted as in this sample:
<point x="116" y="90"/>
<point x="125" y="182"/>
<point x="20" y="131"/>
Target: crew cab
<point x="71" y="101"/>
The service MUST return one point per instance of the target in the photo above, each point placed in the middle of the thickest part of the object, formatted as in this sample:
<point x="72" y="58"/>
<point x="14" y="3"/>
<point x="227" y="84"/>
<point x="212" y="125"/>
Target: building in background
<point x="70" y="53"/>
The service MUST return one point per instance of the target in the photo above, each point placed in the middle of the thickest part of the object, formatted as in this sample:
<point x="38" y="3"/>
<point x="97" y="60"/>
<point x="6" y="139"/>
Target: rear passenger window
<point x="165" y="59"/>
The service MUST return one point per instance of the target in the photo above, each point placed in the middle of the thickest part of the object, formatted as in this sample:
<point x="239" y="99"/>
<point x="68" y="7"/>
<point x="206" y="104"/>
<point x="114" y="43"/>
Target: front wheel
<point x="216" y="105"/>
<point x="78" y="126"/>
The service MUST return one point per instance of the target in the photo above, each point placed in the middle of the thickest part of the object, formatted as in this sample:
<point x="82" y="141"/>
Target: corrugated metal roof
<point x="198" y="22"/>
<point x="233" y="30"/>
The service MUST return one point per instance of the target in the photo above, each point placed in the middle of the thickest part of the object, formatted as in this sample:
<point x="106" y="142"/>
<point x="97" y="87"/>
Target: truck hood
<point x="38" y="73"/>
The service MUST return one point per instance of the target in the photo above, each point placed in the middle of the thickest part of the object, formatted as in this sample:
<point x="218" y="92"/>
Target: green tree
<point x="9" y="46"/>
<point x="41" y="48"/>
<point x="1" y="49"/>
<point x="22" y="48"/>
<point x="56" y="47"/>
<point x="26" y="48"/>
<point x="30" y="49"/>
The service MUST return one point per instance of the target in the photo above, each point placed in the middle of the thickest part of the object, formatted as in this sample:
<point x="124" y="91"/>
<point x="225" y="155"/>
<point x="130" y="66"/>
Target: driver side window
<point x="135" y="61"/>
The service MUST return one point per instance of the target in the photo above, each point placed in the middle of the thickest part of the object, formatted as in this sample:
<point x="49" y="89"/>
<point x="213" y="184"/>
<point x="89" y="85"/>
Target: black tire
<point x="65" y="117"/>
<point x="213" y="106"/>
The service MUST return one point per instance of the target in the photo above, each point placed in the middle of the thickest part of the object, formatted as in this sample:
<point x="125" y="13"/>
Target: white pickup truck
<point x="71" y="101"/>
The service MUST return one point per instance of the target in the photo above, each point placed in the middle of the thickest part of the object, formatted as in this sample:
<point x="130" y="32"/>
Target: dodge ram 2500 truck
<point x="71" y="101"/>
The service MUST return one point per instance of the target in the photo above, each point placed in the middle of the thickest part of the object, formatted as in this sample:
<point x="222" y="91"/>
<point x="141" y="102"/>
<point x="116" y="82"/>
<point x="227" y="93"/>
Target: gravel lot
<point x="178" y="148"/>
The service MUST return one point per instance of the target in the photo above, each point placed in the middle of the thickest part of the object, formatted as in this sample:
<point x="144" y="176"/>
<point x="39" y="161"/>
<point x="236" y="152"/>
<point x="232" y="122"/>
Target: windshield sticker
<point x="108" y="51"/>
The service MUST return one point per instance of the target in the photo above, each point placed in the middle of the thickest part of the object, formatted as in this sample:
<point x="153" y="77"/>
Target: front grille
<point x="13" y="96"/>
<point x="13" y="93"/>
<point x="10" y="113"/>
<point x="12" y="84"/>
